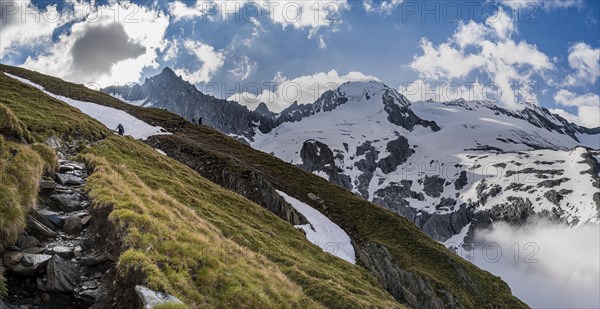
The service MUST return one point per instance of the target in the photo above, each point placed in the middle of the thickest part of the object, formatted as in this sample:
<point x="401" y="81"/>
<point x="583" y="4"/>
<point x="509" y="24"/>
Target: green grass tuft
<point x="20" y="172"/>
<point x="12" y="127"/>
<point x="48" y="155"/>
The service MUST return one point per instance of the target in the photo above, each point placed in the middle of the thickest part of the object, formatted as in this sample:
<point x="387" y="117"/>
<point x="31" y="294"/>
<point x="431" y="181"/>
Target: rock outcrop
<point x="151" y="299"/>
<point x="231" y="175"/>
<point x="317" y="156"/>
<point x="407" y="287"/>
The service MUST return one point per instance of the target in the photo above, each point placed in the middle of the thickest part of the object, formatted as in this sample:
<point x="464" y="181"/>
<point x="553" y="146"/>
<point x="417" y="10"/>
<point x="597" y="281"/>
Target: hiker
<point x="120" y="129"/>
<point x="200" y="121"/>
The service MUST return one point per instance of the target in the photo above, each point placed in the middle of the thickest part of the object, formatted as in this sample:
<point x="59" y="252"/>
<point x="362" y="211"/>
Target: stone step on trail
<point x="56" y="263"/>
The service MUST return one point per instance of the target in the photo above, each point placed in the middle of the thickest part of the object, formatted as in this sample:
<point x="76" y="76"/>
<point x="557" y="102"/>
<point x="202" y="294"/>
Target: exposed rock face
<point x="406" y="287"/>
<point x="516" y="212"/>
<point x="394" y="197"/>
<point x="399" y="152"/>
<point x="169" y="91"/>
<point x="367" y="166"/>
<point x="461" y="181"/>
<point x="401" y="114"/>
<point x="317" y="156"/>
<point x="443" y="226"/>
<point x="433" y="185"/>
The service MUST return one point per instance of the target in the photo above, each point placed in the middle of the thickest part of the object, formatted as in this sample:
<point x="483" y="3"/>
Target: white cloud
<point x="311" y="15"/>
<point x="469" y="34"/>
<point x="420" y="90"/>
<point x="24" y="24"/>
<point x="588" y="108"/>
<point x="486" y="48"/>
<point x="212" y="60"/>
<point x="567" y="98"/>
<point x="322" y="43"/>
<point x="172" y="50"/>
<point x="585" y="60"/>
<point x="243" y="68"/>
<point x="547" y="5"/>
<point x="546" y="265"/>
<point x="384" y="7"/>
<point x="282" y="92"/>
<point x="142" y="27"/>
<point x="502" y="23"/>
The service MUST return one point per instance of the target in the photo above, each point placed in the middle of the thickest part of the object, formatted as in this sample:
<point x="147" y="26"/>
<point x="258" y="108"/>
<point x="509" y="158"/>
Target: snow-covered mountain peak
<point x="529" y="117"/>
<point x="358" y="90"/>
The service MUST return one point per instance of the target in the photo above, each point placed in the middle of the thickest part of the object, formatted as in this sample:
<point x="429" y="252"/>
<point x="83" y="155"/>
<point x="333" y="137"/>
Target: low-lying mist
<point x="546" y="265"/>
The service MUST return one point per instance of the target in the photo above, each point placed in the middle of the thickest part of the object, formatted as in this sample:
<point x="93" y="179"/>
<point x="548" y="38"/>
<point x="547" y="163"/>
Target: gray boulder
<point x="151" y="299"/>
<point x="37" y="228"/>
<point x="63" y="275"/>
<point x="25" y="264"/>
<point x="72" y="225"/>
<point x="69" y="180"/>
<point x="29" y="242"/>
<point x="66" y="202"/>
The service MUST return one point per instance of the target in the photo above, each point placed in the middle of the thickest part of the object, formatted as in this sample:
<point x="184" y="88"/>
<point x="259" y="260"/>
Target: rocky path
<point x="56" y="263"/>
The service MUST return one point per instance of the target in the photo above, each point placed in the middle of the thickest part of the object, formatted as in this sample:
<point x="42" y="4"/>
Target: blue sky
<point x="282" y="51"/>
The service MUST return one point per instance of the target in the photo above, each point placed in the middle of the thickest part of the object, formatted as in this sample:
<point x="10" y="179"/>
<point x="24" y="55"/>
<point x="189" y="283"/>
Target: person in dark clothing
<point x="200" y="121"/>
<point x="120" y="129"/>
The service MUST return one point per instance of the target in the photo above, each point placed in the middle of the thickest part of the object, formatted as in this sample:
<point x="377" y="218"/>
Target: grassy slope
<point x="55" y="85"/>
<point x="21" y="169"/>
<point x="216" y="247"/>
<point x="365" y="222"/>
<point x="188" y="236"/>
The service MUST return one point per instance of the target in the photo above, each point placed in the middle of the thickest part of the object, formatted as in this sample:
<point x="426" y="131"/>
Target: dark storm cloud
<point x="102" y="46"/>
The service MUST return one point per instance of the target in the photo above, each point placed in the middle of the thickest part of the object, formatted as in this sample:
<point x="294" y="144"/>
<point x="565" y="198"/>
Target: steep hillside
<point x="175" y="231"/>
<point x="412" y="267"/>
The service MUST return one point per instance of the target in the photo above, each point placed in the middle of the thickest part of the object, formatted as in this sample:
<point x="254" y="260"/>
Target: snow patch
<point x="135" y="103"/>
<point x="108" y="116"/>
<point x="323" y="232"/>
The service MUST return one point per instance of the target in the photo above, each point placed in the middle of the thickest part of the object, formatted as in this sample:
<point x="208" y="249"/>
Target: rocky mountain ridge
<point x="371" y="140"/>
<point x="168" y="91"/>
